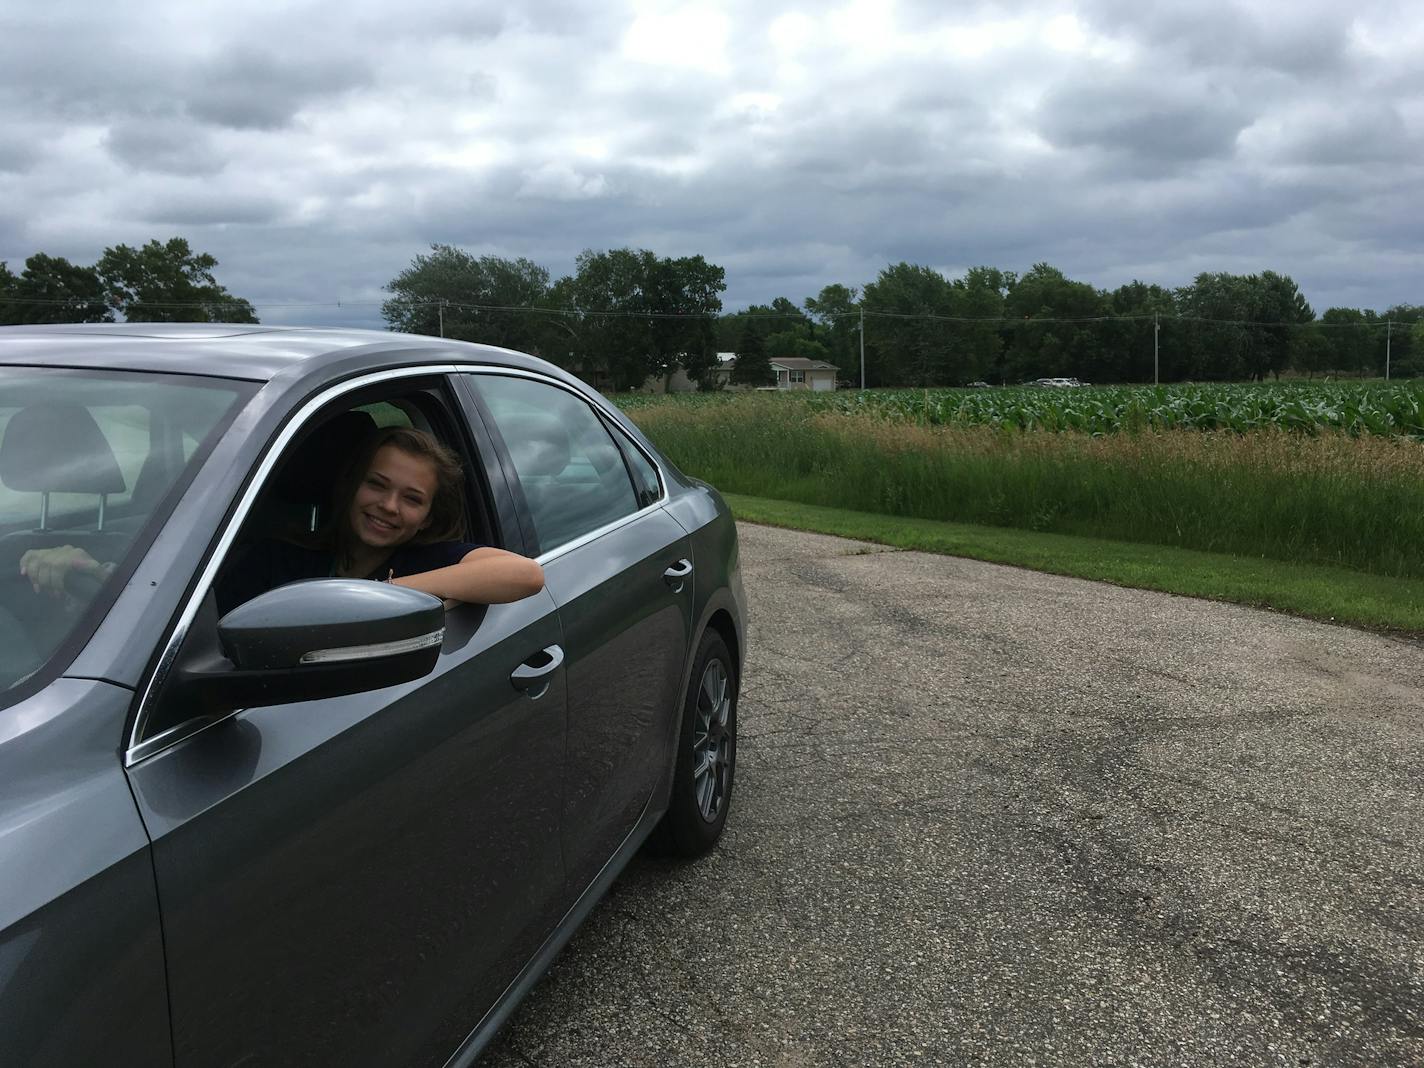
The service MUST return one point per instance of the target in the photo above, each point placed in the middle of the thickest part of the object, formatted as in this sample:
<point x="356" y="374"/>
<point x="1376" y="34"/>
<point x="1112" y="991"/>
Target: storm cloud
<point x="315" y="148"/>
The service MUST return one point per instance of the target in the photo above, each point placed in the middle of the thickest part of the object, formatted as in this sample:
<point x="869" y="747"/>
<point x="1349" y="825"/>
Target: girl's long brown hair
<point x="447" y="510"/>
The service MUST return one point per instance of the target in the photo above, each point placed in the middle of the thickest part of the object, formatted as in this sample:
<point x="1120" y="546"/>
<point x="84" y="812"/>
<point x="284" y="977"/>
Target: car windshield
<point x="88" y="460"/>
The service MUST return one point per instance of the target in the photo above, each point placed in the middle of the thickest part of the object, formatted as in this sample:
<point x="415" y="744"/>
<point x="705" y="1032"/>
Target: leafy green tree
<point x="1406" y="341"/>
<point x="484" y="298"/>
<point x="50" y="289"/>
<point x="1061" y="347"/>
<point x="978" y="341"/>
<point x="613" y="341"/>
<point x="925" y="329"/>
<point x="904" y="345"/>
<point x="686" y="292"/>
<point x="1128" y="343"/>
<point x="1254" y="321"/>
<point x="168" y="283"/>
<point x="791" y="319"/>
<point x="834" y="311"/>
<point x="1280" y="309"/>
<point x="9" y="308"/>
<point x="1214" y="338"/>
<point x="774" y="318"/>
<point x="1348" y="333"/>
<point x="1410" y="364"/>
<point x="753" y="366"/>
<point x="794" y="344"/>
<point x="1312" y="352"/>
<point x="638" y="316"/>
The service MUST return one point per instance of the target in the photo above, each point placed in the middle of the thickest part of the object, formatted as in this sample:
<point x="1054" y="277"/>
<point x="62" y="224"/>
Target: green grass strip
<point x="1310" y="590"/>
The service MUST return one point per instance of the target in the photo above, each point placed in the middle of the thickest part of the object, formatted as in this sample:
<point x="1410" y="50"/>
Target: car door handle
<point x="534" y="675"/>
<point x="676" y="575"/>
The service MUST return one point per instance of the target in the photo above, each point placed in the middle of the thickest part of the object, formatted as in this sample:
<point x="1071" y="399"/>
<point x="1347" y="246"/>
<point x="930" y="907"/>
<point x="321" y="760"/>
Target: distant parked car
<point x="977" y="385"/>
<point x="1057" y="383"/>
<point x="340" y="823"/>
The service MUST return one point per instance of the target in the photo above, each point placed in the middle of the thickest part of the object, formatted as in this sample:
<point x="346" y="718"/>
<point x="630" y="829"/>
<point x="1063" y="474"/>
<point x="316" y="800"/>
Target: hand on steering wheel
<point x="49" y="569"/>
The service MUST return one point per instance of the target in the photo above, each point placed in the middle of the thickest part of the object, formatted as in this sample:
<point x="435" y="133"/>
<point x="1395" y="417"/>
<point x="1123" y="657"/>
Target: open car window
<point x="88" y="463"/>
<point x="297" y="506"/>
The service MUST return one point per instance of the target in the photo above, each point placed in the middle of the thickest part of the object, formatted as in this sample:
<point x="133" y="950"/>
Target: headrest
<point x="311" y="469"/>
<point x="58" y="448"/>
<point x="542" y="447"/>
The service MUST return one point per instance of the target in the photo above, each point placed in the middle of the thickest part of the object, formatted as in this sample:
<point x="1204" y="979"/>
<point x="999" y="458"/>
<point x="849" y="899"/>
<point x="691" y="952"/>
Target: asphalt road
<point x="989" y="816"/>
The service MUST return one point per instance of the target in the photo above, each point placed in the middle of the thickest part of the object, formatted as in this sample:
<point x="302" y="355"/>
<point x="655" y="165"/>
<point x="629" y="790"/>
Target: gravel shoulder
<point x="985" y="815"/>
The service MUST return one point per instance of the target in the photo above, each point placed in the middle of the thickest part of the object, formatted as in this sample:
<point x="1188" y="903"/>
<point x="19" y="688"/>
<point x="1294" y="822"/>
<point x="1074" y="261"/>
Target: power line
<point x="628" y="313"/>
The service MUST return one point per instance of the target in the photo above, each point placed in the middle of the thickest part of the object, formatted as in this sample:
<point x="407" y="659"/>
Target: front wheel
<point x="706" y="755"/>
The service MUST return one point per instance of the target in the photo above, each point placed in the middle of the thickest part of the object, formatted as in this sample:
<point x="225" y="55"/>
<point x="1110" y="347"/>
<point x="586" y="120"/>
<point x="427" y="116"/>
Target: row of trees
<point x="626" y="315"/>
<point x="158" y="282"/>
<point x="925" y="329"/>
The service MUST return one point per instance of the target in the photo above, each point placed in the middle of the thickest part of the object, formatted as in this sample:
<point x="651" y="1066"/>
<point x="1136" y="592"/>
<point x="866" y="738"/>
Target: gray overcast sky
<point x="316" y="148"/>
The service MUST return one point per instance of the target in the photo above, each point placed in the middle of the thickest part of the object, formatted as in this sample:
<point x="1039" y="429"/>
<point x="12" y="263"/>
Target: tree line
<point x="626" y="315"/>
<point x="164" y="282"/>
<point x="925" y="329"/>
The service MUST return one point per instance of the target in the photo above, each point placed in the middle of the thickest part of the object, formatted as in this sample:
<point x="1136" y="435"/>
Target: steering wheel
<point x="83" y="586"/>
<point x="32" y="625"/>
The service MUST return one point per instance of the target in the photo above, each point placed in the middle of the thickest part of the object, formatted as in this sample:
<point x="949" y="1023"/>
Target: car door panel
<point x="354" y="881"/>
<point x="626" y="640"/>
<point x="626" y="623"/>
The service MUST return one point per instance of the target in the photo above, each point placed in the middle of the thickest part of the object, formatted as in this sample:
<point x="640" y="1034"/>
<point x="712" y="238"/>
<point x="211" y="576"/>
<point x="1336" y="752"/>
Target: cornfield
<point x="1322" y="474"/>
<point x="1386" y="410"/>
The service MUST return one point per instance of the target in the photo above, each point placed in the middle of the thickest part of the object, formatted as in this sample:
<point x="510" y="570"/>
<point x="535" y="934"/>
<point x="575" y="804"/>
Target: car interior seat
<point x="59" y="448"/>
<point x="56" y="448"/>
<point x="296" y="503"/>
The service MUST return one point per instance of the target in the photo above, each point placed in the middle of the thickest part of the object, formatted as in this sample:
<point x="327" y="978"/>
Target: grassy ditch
<point x="1331" y="594"/>
<point x="1331" y="499"/>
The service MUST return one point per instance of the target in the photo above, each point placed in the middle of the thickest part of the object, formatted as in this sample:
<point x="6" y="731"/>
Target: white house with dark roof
<point x="793" y="372"/>
<point x="797" y="372"/>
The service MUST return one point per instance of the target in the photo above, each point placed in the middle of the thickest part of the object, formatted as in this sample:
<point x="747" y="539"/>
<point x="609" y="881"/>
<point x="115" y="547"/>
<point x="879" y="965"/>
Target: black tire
<point x="687" y="829"/>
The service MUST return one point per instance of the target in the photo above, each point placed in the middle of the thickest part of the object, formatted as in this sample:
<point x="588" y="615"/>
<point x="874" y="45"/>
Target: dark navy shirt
<point x="265" y="565"/>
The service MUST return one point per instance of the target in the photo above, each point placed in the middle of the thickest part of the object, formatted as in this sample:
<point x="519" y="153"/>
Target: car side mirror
<point x="315" y="639"/>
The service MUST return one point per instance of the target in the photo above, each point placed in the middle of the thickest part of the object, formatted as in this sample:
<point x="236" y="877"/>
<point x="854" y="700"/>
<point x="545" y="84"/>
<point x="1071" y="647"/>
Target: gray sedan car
<point x="340" y="823"/>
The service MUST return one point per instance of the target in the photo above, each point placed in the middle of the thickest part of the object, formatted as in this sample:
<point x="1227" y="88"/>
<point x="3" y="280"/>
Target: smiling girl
<point x="398" y="519"/>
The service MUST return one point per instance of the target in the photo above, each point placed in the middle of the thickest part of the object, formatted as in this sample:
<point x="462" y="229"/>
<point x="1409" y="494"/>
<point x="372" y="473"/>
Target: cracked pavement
<point x="988" y="816"/>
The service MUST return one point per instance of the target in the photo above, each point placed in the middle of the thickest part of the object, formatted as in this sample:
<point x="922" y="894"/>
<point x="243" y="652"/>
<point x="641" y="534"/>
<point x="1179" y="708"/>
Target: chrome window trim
<point x="170" y="736"/>
<point x="138" y="750"/>
<point x="593" y="535"/>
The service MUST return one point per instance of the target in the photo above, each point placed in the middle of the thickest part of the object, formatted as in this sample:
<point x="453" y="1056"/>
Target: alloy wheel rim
<point x="712" y="740"/>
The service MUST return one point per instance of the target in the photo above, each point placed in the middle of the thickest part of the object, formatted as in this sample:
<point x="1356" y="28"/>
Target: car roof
<point x="254" y="353"/>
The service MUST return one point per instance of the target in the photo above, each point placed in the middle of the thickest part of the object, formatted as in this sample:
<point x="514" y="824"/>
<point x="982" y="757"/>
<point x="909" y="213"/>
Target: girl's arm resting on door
<point x="483" y="576"/>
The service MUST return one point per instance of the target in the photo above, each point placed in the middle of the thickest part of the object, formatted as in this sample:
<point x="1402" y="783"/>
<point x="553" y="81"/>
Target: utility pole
<point x="1388" y="331"/>
<point x="862" y="347"/>
<point x="1156" y="329"/>
<point x="441" y="309"/>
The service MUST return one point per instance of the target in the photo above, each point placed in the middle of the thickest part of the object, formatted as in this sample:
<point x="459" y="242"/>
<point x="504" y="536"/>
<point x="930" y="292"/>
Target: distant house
<point x="722" y="373"/>
<point x="793" y="372"/>
<point x="678" y="382"/>
<point x="797" y="372"/>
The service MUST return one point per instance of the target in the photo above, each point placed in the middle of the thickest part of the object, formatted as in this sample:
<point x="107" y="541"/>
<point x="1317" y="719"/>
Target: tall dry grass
<point x="1353" y="502"/>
